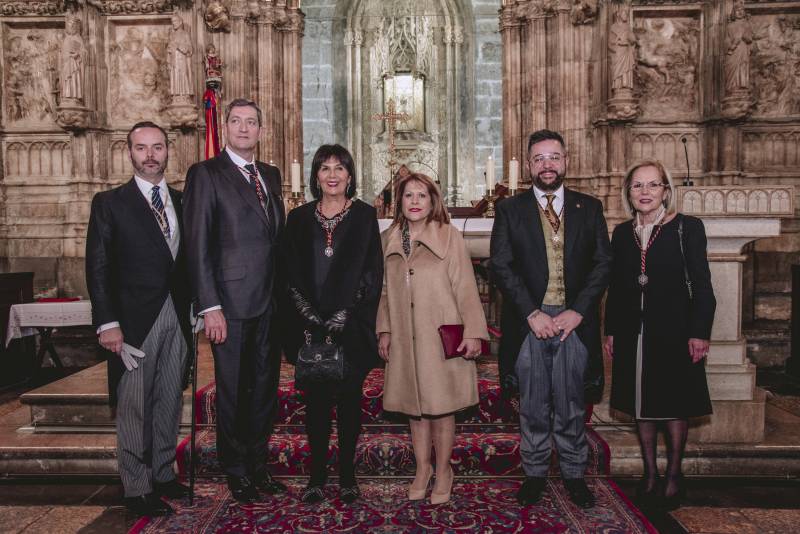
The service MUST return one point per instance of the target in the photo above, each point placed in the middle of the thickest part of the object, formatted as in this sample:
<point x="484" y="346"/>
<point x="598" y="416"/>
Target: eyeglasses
<point x="638" y="187"/>
<point x="555" y="157"/>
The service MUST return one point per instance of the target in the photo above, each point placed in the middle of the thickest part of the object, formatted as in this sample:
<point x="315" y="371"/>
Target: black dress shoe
<point x="313" y="494"/>
<point x="147" y="505"/>
<point x="349" y="494"/>
<point x="269" y="485"/>
<point x="579" y="492"/>
<point x="531" y="490"/>
<point x="242" y="489"/>
<point x="172" y="489"/>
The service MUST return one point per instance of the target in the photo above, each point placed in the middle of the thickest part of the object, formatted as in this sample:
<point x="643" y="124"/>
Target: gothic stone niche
<point x="31" y="60"/>
<point x="667" y="147"/>
<point x="771" y="150"/>
<point x="668" y="65"/>
<point x="47" y="158"/>
<point x="775" y="64"/>
<point x="139" y="81"/>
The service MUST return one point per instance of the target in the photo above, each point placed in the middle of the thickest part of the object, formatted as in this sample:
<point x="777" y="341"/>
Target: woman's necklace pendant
<point x="643" y="279"/>
<point x="328" y="251"/>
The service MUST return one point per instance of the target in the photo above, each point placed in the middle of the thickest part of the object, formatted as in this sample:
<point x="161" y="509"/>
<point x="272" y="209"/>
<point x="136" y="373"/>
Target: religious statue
<point x="622" y="46"/>
<point x="179" y="58"/>
<point x="217" y="17"/>
<point x="738" y="37"/>
<point x="73" y="53"/>
<point x="213" y="62"/>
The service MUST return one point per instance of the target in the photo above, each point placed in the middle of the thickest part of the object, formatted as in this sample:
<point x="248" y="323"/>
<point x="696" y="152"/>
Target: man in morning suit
<point x="234" y="218"/>
<point x="137" y="280"/>
<point x="551" y="258"/>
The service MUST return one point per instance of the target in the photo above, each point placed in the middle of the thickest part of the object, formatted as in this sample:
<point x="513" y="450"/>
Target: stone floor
<point x="714" y="505"/>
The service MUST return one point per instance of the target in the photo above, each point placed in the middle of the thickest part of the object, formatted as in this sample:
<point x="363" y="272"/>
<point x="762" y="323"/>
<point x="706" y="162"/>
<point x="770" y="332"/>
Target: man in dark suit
<point x="551" y="258"/>
<point x="137" y="280"/>
<point x="234" y="217"/>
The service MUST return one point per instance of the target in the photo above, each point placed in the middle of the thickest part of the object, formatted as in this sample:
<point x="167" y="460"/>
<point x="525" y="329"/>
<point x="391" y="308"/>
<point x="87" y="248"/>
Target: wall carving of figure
<point x="31" y="67"/>
<point x="73" y="54"/>
<point x="775" y="64"/>
<point x="736" y="63"/>
<point x="217" y="17"/>
<point x="179" y="59"/>
<point x="667" y="66"/>
<point x="622" y="45"/>
<point x="139" y="81"/>
<point x="213" y="62"/>
<point x="583" y="11"/>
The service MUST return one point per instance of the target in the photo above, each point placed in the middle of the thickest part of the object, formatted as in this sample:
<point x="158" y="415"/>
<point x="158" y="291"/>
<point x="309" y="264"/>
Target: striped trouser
<point x="551" y="403"/>
<point x="149" y="407"/>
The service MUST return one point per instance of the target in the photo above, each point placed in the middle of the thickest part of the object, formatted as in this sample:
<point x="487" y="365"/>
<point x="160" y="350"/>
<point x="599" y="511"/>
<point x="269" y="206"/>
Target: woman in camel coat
<point x="429" y="282"/>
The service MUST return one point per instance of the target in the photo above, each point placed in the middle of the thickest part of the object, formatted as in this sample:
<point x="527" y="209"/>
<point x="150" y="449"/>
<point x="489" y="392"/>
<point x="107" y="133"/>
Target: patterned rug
<point x="477" y="506"/>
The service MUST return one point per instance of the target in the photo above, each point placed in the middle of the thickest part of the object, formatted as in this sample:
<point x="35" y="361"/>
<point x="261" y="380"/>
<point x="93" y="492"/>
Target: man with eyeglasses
<point x="234" y="217"/>
<point x="551" y="258"/>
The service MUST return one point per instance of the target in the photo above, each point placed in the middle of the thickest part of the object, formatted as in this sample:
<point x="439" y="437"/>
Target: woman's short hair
<point x="670" y="198"/>
<point x="438" y="211"/>
<point x="323" y="154"/>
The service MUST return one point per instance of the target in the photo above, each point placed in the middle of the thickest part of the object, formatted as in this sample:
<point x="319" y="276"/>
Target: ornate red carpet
<point x="485" y="460"/>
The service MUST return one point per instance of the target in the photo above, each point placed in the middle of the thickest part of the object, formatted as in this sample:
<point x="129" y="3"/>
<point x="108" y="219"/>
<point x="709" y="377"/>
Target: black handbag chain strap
<point x="683" y="256"/>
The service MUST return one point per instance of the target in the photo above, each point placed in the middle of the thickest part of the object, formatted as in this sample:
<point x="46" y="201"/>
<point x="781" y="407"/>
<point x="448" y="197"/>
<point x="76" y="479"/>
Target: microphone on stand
<point x="686" y="181"/>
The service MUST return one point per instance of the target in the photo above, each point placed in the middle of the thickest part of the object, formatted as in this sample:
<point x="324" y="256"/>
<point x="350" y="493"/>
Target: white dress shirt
<point x="558" y="201"/>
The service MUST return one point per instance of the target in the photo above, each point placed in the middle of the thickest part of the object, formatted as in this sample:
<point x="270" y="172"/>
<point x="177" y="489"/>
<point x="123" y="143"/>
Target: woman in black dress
<point x="659" y="313"/>
<point x="334" y="268"/>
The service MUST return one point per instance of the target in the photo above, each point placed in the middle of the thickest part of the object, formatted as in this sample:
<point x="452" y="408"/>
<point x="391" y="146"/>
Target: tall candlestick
<point x="490" y="174"/>
<point x="295" y="177"/>
<point x="513" y="173"/>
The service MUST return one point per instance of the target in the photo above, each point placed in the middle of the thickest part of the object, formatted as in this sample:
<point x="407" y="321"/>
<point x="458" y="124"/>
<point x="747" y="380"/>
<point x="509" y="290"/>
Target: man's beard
<point x="145" y="172"/>
<point x="555" y="184"/>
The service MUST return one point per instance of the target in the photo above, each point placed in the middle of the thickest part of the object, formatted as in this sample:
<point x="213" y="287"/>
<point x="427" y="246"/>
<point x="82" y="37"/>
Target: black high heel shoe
<point x="674" y="501"/>
<point x="648" y="497"/>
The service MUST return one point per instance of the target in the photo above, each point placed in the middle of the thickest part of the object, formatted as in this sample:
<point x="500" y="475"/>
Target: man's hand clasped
<point x="543" y="326"/>
<point x="112" y="339"/>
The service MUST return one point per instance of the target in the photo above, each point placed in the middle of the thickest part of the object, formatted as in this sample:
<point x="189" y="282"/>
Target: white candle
<point x="513" y="173"/>
<point x="489" y="175"/>
<point x="295" y="177"/>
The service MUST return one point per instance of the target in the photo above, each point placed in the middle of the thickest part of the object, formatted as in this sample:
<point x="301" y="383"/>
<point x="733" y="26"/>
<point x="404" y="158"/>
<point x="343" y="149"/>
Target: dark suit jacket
<point x="231" y="246"/>
<point x="130" y="270"/>
<point x="358" y="263"/>
<point x="519" y="268"/>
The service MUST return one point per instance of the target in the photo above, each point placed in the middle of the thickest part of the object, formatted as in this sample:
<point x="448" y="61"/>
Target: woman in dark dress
<point x="659" y="313"/>
<point x="334" y="268"/>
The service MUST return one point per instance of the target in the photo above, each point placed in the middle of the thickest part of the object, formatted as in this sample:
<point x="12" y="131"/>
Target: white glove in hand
<point x="128" y="355"/>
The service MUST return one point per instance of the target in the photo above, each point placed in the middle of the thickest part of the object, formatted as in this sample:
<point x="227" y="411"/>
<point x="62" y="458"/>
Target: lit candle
<point x="295" y="177"/>
<point x="513" y="173"/>
<point x="489" y="175"/>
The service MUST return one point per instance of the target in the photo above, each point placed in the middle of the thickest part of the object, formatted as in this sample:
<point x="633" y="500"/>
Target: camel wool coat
<point x="434" y="286"/>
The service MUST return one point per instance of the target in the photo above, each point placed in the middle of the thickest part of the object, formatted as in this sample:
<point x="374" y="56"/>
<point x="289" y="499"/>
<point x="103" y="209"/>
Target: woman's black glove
<point x="337" y="321"/>
<point x="304" y="307"/>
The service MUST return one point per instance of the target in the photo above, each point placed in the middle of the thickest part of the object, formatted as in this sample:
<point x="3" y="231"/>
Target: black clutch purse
<point x="319" y="362"/>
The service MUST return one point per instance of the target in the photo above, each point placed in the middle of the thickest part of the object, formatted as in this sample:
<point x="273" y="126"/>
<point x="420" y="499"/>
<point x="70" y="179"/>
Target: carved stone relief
<point x="668" y="148"/>
<point x="622" y="63"/>
<point x="668" y="66"/>
<point x="736" y="63"/>
<point x="47" y="158"/>
<point x="31" y="58"/>
<point x="775" y="64"/>
<point x="736" y="200"/>
<point x="139" y="74"/>
<point x="773" y="149"/>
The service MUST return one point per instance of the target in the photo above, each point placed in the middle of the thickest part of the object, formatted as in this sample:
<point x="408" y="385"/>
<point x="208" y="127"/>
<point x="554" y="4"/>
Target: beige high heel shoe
<point x="419" y="494"/>
<point x="441" y="498"/>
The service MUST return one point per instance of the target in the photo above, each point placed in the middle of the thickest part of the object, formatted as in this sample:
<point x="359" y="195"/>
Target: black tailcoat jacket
<point x="519" y="268"/>
<point x="130" y="270"/>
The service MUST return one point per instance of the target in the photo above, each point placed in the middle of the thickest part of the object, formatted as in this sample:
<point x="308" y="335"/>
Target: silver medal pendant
<point x="329" y="251"/>
<point x="643" y="279"/>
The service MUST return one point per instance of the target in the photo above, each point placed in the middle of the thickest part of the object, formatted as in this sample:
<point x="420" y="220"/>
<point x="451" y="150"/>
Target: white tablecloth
<point x="23" y="319"/>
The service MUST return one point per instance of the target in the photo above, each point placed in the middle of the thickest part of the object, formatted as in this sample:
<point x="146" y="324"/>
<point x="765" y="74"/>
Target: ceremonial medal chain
<point x="163" y="222"/>
<point x="643" y="279"/>
<point x="329" y="225"/>
<point x="555" y="225"/>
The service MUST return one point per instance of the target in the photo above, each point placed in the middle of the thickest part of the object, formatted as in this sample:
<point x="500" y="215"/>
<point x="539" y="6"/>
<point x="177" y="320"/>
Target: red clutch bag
<point x="452" y="335"/>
